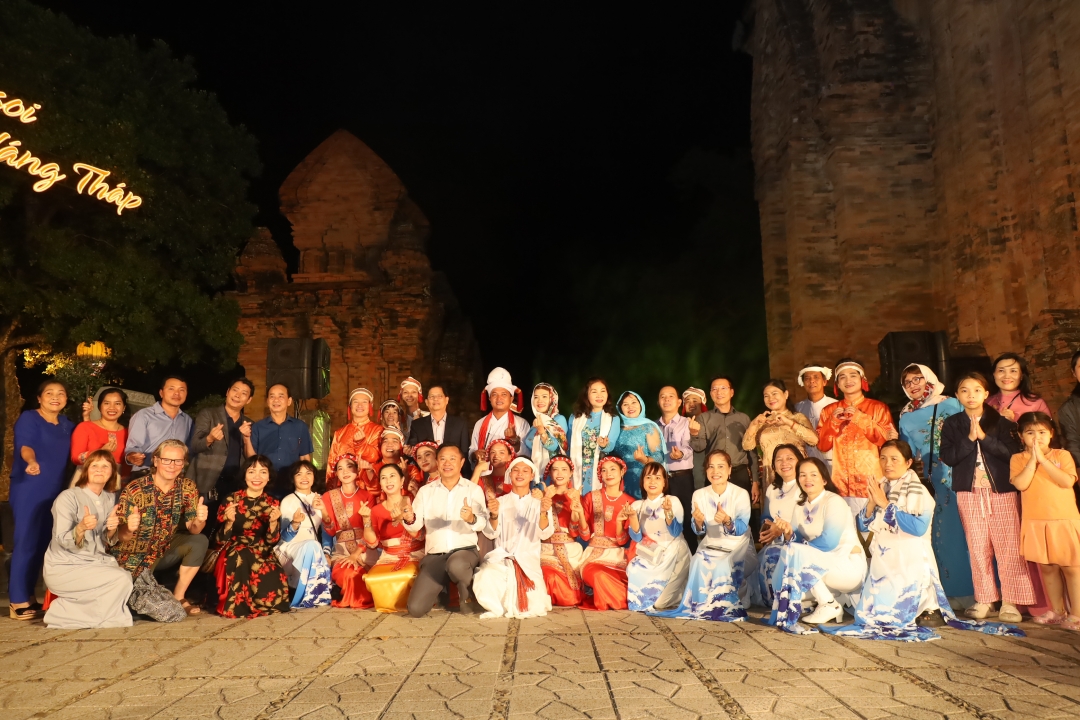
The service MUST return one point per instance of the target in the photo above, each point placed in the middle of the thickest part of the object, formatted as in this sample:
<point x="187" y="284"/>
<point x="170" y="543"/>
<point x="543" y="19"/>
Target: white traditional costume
<point x="657" y="575"/>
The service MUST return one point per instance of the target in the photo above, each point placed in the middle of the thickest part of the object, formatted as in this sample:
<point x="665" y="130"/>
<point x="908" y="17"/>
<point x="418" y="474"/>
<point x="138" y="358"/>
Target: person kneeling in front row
<point x="451" y="511"/>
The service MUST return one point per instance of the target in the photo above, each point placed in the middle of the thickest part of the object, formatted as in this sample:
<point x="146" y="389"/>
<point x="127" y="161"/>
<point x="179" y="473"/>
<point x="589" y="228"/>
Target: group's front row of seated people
<point x="846" y="518"/>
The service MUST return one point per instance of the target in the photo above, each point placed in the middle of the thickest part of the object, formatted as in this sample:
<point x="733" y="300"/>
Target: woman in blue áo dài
<point x="640" y="441"/>
<point x="780" y="498"/>
<point x="920" y="426"/>
<point x="723" y="569"/>
<point x="822" y="554"/>
<point x="594" y="429"/>
<point x="300" y="549"/>
<point x="661" y="558"/>
<point x="902" y="590"/>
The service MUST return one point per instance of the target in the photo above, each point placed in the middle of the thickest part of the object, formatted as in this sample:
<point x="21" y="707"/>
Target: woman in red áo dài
<point x="345" y="525"/>
<point x="561" y="554"/>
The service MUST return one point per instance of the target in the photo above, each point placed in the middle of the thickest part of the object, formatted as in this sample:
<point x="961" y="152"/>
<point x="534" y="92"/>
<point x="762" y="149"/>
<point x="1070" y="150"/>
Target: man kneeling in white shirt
<point x="510" y="582"/>
<point x="451" y="511"/>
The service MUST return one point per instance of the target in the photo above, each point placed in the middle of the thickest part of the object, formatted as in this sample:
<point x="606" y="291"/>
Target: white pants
<point x="495" y="588"/>
<point x="845" y="577"/>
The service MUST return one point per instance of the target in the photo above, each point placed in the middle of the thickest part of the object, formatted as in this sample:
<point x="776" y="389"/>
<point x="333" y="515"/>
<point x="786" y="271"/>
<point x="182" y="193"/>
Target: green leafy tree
<point x="147" y="282"/>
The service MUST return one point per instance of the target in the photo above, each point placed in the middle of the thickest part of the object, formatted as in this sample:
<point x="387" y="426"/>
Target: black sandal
<point x="24" y="613"/>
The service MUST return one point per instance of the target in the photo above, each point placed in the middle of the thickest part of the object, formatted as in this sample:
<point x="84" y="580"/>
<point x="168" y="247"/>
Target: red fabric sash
<point x="482" y="438"/>
<point x="524" y="585"/>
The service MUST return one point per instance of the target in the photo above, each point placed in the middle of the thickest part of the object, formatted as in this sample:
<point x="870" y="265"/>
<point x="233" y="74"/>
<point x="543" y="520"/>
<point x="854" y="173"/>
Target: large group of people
<point x="812" y="511"/>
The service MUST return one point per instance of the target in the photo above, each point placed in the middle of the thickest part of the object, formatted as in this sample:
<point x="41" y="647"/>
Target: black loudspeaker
<point x="897" y="350"/>
<point x="302" y="364"/>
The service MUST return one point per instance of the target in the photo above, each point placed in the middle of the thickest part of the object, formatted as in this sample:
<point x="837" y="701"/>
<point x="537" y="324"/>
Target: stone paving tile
<point x="23" y="631"/>
<point x="436" y="697"/>
<point x="39" y="662"/>
<point x="621" y="621"/>
<point x="335" y="623"/>
<point x="212" y="658"/>
<point x="194" y="627"/>
<point x="395" y="625"/>
<point x="271" y="626"/>
<point x="555" y="697"/>
<point x="458" y="624"/>
<point x="637" y="652"/>
<point x="730" y="651"/>
<point x="289" y="657"/>
<point x="815" y="651"/>
<point x="768" y="684"/>
<point x="351" y="696"/>
<point x="102" y="660"/>
<point x="1063" y="681"/>
<point x="228" y="699"/>
<point x="24" y="698"/>
<point x="556" y="654"/>
<point x="138" y="699"/>
<point x="683" y="625"/>
<point x="914" y="655"/>
<point x="662" y="694"/>
<point x="1003" y="695"/>
<point x="561" y="621"/>
<point x="993" y="650"/>
<point x="479" y="654"/>
<point x="377" y="656"/>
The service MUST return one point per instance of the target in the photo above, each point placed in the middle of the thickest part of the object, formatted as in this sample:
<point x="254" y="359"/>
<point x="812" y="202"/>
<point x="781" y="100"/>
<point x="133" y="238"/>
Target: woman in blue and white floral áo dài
<point x="723" y="570"/>
<point x="822" y="554"/>
<point x="781" y="497"/>
<point x="660" y="566"/>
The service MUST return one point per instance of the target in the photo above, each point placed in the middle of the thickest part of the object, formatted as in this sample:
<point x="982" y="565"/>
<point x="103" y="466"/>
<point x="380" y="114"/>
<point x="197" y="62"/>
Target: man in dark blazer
<point x="220" y="442"/>
<point x="440" y="427"/>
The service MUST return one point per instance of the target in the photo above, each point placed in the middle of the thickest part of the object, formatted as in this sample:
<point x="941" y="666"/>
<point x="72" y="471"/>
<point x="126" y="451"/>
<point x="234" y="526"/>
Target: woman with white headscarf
<point x="921" y="421"/>
<point x="547" y="436"/>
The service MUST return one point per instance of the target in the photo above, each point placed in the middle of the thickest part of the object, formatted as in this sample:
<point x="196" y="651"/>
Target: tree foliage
<point x="146" y="282"/>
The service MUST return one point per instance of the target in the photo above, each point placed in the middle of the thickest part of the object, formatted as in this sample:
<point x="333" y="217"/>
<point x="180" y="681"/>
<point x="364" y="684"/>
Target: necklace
<point x="349" y="497"/>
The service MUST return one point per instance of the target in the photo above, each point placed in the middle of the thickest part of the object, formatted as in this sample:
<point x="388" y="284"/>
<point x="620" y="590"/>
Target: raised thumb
<point x="201" y="500"/>
<point x="86" y="510"/>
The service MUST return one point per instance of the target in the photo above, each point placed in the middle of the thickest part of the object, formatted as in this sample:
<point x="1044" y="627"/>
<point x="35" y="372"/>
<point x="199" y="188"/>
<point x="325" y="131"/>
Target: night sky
<point x="588" y="162"/>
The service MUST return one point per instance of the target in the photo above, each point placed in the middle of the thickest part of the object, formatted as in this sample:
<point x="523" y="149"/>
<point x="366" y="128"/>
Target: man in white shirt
<point x="504" y="400"/>
<point x="813" y="378"/>
<point x="451" y="511"/>
<point x="510" y="582"/>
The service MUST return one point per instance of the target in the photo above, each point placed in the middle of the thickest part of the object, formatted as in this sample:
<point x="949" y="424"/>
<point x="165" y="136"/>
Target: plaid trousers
<point x="992" y="525"/>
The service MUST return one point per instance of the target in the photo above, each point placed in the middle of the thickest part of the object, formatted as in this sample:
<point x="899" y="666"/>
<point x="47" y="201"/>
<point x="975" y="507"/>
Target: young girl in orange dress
<point x="1050" y="522"/>
<point x="606" y="510"/>
<point x="391" y="578"/>
<point x="561" y="554"/>
<point x="345" y="524"/>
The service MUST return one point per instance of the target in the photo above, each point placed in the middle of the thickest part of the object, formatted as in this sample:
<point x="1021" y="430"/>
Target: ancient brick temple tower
<point x="914" y="172"/>
<point x="364" y="285"/>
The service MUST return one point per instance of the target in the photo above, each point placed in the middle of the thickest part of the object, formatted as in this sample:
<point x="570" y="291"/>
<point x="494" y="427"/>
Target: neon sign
<point x="93" y="182"/>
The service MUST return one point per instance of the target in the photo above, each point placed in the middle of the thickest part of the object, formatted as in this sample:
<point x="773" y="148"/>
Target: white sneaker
<point x="1008" y="613"/>
<point x="825" y="612"/>
<point x="980" y="611"/>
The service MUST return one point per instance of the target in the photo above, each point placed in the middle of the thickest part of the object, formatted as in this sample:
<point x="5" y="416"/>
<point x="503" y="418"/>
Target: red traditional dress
<point x="855" y="444"/>
<point x="604" y="566"/>
<point x="362" y="441"/>
<point x="346" y="525"/>
<point x="391" y="578"/>
<point x="560" y="557"/>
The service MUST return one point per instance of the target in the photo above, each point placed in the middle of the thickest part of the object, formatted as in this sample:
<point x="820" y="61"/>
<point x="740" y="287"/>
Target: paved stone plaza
<point x="571" y="664"/>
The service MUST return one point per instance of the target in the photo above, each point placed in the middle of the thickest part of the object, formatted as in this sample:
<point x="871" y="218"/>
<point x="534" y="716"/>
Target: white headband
<point x="361" y="391"/>
<point x="517" y="460"/>
<point x="825" y="372"/>
<point x="850" y="364"/>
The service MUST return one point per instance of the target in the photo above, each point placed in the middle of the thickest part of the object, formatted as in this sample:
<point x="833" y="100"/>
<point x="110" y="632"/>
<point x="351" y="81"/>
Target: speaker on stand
<point x="897" y="350"/>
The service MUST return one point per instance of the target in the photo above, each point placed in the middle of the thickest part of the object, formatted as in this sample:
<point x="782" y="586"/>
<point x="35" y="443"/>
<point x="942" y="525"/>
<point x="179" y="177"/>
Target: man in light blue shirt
<point x="164" y="420"/>
<point x="283" y="439"/>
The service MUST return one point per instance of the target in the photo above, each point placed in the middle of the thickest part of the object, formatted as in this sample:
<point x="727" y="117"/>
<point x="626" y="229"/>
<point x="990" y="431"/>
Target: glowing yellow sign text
<point x="93" y="182"/>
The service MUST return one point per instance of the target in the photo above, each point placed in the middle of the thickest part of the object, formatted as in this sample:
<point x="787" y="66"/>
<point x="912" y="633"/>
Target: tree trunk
<point x="10" y="404"/>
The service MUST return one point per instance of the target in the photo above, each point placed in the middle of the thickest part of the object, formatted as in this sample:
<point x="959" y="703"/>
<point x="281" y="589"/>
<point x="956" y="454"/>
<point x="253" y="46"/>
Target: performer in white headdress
<point x="814" y="378"/>
<point x="501" y="400"/>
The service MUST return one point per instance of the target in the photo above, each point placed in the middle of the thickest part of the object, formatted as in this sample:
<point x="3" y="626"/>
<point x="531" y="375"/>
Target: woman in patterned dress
<point x="594" y="429"/>
<point x="250" y="580"/>
<point x="300" y="550"/>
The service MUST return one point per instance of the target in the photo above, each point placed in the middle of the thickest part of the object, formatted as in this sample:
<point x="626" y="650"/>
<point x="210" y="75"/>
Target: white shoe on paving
<point x="1009" y="613"/>
<point x="825" y="612"/>
<point x="980" y="611"/>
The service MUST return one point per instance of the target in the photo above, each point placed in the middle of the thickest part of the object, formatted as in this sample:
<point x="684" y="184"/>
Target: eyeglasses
<point x="912" y="381"/>
<point x="171" y="461"/>
<point x="436" y="397"/>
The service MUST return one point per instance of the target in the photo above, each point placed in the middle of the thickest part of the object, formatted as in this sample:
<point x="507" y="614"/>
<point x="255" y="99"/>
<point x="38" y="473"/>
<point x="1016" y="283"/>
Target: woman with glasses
<point x="921" y="421"/>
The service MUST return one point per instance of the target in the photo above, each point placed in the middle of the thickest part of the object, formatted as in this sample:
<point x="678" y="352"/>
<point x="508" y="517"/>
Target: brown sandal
<point x="190" y="608"/>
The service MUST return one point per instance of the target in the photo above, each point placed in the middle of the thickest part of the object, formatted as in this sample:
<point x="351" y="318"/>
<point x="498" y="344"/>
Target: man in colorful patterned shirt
<point x="165" y="518"/>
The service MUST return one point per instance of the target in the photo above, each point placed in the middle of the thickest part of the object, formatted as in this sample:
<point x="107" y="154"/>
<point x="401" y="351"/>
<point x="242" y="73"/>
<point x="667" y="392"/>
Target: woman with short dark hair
<point x="104" y="433"/>
<point x="300" y="550"/>
<point x="42" y="448"/>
